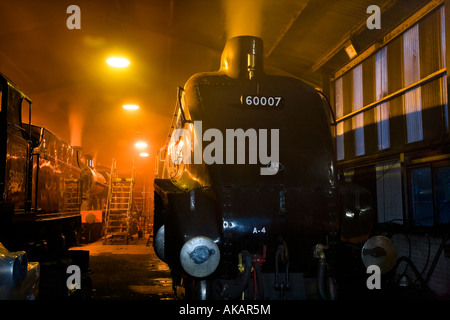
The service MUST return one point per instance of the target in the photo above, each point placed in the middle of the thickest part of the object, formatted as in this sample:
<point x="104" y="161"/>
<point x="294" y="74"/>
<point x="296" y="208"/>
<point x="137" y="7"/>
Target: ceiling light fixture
<point x="143" y="154"/>
<point x="118" y="62"/>
<point x="141" y="144"/>
<point x="350" y="49"/>
<point x="130" y="106"/>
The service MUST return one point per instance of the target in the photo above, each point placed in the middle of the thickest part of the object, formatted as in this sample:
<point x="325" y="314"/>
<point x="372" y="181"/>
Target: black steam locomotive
<point x="247" y="200"/>
<point x="41" y="182"/>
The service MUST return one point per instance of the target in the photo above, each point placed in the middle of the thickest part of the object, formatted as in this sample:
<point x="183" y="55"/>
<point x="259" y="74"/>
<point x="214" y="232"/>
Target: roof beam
<point x="287" y="27"/>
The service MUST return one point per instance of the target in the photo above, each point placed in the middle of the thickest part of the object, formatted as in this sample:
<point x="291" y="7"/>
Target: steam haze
<point x="243" y="17"/>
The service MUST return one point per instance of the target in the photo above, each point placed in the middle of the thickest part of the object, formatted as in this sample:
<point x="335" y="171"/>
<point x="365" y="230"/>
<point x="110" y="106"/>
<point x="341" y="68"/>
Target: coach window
<point x="442" y="191"/>
<point x="358" y="120"/>
<point x="430" y="195"/>
<point x="381" y="90"/>
<point x="396" y="96"/>
<point x="411" y="71"/>
<point x="339" y="103"/>
<point x="422" y="196"/>
<point x="389" y="192"/>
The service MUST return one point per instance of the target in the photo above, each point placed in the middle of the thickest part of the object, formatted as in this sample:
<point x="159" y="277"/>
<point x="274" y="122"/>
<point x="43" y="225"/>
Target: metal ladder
<point x="119" y="205"/>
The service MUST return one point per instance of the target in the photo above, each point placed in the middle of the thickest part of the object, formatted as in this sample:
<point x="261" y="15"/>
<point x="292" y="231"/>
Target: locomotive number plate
<point x="262" y="101"/>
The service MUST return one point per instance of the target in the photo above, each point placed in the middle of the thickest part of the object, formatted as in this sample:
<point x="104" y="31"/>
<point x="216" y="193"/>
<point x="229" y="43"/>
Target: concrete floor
<point x="132" y="271"/>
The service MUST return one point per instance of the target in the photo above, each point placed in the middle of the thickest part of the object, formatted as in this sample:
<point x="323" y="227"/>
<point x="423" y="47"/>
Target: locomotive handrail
<point x="183" y="115"/>
<point x="36" y="182"/>
<point x="180" y="105"/>
<point x="29" y="116"/>
<point x="17" y="127"/>
<point x="334" y="123"/>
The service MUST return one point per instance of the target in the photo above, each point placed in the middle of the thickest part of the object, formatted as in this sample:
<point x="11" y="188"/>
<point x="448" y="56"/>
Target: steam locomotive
<point x="43" y="182"/>
<point x="247" y="202"/>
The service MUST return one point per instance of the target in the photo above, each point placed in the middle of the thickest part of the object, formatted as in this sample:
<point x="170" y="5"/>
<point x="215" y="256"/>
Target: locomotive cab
<point x="14" y="149"/>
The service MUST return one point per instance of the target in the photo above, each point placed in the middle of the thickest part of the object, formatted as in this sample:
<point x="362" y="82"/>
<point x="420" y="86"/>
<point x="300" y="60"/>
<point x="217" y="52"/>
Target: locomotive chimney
<point x="242" y="58"/>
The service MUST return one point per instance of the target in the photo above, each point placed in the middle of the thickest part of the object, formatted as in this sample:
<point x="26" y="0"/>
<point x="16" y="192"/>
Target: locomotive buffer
<point x="119" y="205"/>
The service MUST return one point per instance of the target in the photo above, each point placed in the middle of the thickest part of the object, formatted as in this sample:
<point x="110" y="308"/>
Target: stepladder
<point x="119" y="206"/>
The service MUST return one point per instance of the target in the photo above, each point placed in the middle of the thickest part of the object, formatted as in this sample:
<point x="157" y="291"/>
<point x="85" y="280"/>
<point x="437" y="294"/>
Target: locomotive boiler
<point x="95" y="184"/>
<point x="246" y="194"/>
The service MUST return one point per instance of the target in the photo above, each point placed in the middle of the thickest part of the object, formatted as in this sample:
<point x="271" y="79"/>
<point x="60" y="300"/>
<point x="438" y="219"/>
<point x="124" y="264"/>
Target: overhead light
<point x="130" y="106"/>
<point x="143" y="154"/>
<point x="351" y="50"/>
<point x="117" y="62"/>
<point x="141" y="144"/>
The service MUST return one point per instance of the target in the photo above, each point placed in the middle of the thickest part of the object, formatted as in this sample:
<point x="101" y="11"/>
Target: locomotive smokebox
<point x="222" y="206"/>
<point x="242" y="58"/>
